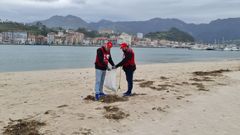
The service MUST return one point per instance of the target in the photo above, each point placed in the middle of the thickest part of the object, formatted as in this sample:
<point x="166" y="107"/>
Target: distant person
<point x="129" y="66"/>
<point x="103" y="57"/>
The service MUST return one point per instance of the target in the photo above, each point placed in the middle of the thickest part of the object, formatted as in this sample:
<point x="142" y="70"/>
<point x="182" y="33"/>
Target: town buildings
<point x="70" y="37"/>
<point x="19" y="37"/>
<point x="1" y="37"/>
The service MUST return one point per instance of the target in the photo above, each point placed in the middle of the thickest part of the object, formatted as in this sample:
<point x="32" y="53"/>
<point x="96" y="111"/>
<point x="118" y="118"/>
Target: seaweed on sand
<point x="23" y="127"/>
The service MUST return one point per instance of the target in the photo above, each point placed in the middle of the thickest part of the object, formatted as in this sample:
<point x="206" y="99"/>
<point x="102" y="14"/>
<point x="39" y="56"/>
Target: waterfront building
<point x="40" y="40"/>
<point x="154" y="43"/>
<point x="87" y="41"/>
<point x="70" y="39"/>
<point x="106" y="31"/>
<point x="101" y="40"/>
<point x="135" y="41"/>
<point x="1" y="38"/>
<point x="164" y="42"/>
<point x="51" y="38"/>
<point x="59" y="40"/>
<point x="60" y="33"/>
<point x="7" y="37"/>
<point x="114" y="41"/>
<point x="124" y="37"/>
<point x="139" y="35"/>
<point x="79" y="37"/>
<point x="74" y="38"/>
<point x="31" y="39"/>
<point x="20" y="37"/>
<point x="69" y="31"/>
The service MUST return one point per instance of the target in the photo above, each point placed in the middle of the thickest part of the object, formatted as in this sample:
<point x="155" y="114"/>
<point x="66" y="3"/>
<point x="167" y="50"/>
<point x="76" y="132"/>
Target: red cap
<point x="109" y="44"/>
<point x="123" y="45"/>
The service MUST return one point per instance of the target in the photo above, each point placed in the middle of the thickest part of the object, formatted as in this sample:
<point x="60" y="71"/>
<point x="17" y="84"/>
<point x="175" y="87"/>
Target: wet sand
<point x="170" y="99"/>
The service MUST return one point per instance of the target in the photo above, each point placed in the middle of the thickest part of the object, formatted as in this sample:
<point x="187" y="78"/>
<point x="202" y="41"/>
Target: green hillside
<point x="173" y="34"/>
<point x="37" y="29"/>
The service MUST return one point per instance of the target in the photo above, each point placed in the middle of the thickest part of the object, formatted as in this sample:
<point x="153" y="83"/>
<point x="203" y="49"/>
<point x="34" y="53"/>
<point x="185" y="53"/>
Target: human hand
<point x="114" y="67"/>
<point x="108" y="69"/>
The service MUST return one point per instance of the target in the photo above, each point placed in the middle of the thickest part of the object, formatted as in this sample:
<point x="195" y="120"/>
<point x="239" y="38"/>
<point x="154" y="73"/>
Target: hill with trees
<point x="173" y="34"/>
<point x="38" y="29"/>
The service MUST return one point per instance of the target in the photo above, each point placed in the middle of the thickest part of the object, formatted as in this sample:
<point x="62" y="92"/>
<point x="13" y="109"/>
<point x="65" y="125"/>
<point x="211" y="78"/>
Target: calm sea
<point x="29" y="58"/>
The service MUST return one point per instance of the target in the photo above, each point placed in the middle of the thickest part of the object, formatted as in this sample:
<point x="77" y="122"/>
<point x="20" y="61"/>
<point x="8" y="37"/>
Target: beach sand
<point x="195" y="98"/>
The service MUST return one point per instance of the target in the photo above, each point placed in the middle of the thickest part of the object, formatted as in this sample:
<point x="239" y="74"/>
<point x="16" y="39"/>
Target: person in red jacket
<point x="103" y="57"/>
<point x="128" y="65"/>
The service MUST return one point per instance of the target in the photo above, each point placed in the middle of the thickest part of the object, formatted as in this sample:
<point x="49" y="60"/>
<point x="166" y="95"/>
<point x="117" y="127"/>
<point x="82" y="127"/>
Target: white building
<point x="31" y="39"/>
<point x="7" y="37"/>
<point x="164" y="42"/>
<point x="154" y="43"/>
<point x="69" y="31"/>
<point x="79" y="37"/>
<point x="125" y="38"/>
<point x="106" y="31"/>
<point x="139" y="35"/>
<point x="86" y="42"/>
<point x="50" y="38"/>
<point x="60" y="33"/>
<point x="59" y="40"/>
<point x="74" y="38"/>
<point x="20" y="37"/>
<point x="1" y="38"/>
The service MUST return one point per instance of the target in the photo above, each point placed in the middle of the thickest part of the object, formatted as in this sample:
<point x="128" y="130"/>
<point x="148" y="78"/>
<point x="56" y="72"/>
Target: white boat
<point x="231" y="49"/>
<point x="210" y="48"/>
<point x="235" y="49"/>
<point x="227" y="49"/>
<point x="197" y="47"/>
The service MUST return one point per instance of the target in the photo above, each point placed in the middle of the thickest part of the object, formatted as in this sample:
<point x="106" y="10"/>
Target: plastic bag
<point x="110" y="81"/>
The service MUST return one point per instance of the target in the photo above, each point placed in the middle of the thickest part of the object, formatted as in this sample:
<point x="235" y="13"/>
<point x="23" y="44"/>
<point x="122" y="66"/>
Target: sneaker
<point x="102" y="94"/>
<point x="97" y="97"/>
<point x="127" y="94"/>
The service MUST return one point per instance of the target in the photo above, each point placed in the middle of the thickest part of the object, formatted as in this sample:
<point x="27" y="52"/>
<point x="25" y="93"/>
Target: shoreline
<point x="137" y="46"/>
<point x="145" y="64"/>
<point x="169" y="98"/>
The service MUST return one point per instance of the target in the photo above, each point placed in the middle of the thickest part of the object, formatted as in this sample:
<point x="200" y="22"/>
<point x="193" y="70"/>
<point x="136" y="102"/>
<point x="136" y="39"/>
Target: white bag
<point x="110" y="81"/>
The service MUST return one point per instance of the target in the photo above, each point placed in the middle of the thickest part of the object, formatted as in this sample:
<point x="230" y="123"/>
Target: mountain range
<point x="217" y="30"/>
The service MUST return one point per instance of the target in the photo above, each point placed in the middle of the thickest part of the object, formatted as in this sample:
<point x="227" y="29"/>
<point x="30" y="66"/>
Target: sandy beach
<point x="195" y="98"/>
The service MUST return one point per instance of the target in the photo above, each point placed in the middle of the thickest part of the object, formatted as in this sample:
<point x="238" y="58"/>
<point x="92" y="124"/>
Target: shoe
<point x="126" y="94"/>
<point x="97" y="97"/>
<point x="102" y="94"/>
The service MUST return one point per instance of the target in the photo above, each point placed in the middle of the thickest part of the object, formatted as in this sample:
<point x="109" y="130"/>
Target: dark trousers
<point x="129" y="78"/>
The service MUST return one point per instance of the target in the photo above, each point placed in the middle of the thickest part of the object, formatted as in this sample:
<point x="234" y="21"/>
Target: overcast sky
<point x="191" y="11"/>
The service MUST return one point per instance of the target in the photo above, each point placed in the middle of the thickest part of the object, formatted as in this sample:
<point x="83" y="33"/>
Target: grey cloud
<point x="93" y="10"/>
<point x="79" y="1"/>
<point x="44" y="0"/>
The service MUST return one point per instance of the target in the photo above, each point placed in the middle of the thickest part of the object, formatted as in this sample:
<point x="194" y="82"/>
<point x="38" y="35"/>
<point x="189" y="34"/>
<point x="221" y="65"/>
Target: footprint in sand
<point x="161" y="109"/>
<point x="3" y="85"/>
<point x="52" y="113"/>
<point x="86" y="131"/>
<point x="80" y="116"/>
<point x="180" y="97"/>
<point x="62" y="106"/>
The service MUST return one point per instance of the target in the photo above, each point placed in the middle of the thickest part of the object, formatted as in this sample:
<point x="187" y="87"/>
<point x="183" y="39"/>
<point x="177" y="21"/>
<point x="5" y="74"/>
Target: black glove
<point x="108" y="69"/>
